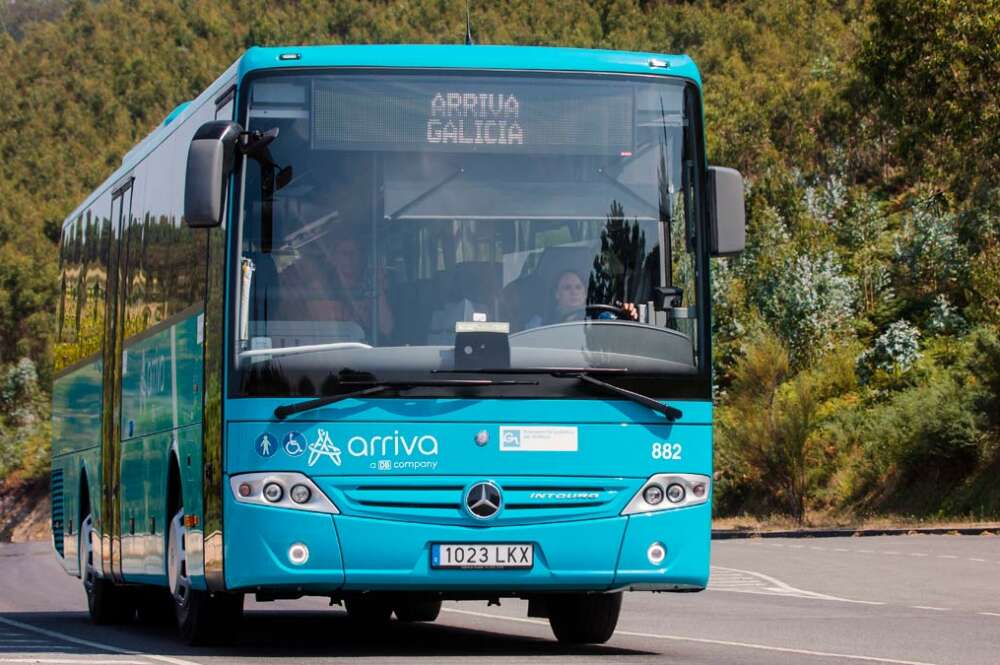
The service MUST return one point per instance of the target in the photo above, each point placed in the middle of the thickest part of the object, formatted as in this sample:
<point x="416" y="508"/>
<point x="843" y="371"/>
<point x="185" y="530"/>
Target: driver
<point x="570" y="303"/>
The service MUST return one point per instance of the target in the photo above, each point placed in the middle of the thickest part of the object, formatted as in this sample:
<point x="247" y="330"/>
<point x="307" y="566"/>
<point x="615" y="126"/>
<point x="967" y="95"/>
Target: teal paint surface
<point x="399" y="492"/>
<point x="530" y="58"/>
<point x="76" y="409"/>
<point x="161" y="381"/>
<point x="161" y="415"/>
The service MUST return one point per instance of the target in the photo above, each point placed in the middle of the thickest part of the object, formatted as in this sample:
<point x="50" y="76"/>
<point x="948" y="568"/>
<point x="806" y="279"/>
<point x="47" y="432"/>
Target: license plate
<point x="482" y="555"/>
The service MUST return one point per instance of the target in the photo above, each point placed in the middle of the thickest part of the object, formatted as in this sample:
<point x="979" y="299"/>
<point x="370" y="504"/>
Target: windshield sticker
<point x="538" y="439"/>
<point x="294" y="444"/>
<point x="323" y="447"/>
<point x="265" y="445"/>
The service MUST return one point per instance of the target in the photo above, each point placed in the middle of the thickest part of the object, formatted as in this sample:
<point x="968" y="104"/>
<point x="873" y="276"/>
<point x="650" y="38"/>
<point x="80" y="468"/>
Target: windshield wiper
<point x="374" y="387"/>
<point x="586" y="375"/>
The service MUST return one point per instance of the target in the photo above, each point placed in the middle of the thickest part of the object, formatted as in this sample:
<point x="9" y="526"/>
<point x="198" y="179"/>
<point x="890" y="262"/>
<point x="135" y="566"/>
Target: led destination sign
<point x="458" y="114"/>
<point x="469" y="118"/>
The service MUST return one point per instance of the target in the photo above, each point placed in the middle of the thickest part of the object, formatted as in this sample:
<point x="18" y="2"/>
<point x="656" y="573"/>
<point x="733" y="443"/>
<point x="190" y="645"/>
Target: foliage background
<point x="858" y="361"/>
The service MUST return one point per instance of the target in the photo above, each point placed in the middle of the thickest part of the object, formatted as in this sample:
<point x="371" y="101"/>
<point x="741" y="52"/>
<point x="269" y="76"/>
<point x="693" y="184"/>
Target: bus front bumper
<point x="264" y="548"/>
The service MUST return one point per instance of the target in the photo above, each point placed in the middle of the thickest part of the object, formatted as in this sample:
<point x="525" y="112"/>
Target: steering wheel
<point x="592" y="310"/>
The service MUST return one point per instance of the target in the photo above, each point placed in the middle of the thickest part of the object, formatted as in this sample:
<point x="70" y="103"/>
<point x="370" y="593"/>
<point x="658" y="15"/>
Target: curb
<point x="726" y="534"/>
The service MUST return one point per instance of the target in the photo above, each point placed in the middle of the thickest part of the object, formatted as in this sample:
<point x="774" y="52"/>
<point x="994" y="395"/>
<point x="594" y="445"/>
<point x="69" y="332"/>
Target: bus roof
<point x="469" y="57"/>
<point x="453" y="56"/>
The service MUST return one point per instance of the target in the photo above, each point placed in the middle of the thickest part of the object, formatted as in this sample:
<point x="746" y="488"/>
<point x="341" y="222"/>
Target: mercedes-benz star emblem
<point x="483" y="500"/>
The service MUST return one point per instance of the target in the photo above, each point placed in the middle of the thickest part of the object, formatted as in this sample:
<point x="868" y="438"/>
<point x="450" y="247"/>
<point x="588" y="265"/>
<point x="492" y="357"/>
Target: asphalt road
<point x="905" y="600"/>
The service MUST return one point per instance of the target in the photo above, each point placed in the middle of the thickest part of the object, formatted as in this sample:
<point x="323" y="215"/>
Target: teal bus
<point x="395" y="325"/>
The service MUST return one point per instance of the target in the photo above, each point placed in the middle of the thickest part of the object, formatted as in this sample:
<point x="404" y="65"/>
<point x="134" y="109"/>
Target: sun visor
<point x="460" y="197"/>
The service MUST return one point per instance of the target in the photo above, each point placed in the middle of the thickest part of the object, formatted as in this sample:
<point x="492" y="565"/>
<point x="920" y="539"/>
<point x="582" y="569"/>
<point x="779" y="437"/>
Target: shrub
<point x="771" y="454"/>
<point x="809" y="303"/>
<point x="894" y="352"/>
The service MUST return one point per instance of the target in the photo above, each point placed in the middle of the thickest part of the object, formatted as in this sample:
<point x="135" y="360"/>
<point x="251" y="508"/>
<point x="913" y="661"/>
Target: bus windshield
<point x="403" y="224"/>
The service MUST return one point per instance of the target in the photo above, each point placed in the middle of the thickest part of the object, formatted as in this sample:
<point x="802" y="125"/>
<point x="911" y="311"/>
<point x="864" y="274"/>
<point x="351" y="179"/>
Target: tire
<point x="107" y="603"/>
<point x="202" y="617"/>
<point x="418" y="609"/>
<point x="369" y="609"/>
<point x="584" y="618"/>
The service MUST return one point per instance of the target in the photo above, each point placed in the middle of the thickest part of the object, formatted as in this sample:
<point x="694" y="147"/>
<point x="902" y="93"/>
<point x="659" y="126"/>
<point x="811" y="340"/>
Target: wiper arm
<point x="373" y="387"/>
<point x="670" y="412"/>
<point x="587" y="376"/>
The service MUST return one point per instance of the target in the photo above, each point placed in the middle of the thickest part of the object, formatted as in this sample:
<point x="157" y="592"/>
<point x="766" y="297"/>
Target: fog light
<point x="245" y="489"/>
<point x="298" y="554"/>
<point x="653" y="494"/>
<point x="656" y="553"/>
<point x="675" y="493"/>
<point x="698" y="490"/>
<point x="300" y="494"/>
<point x="273" y="492"/>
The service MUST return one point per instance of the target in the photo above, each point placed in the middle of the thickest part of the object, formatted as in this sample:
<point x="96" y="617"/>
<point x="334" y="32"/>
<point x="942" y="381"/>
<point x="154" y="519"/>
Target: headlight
<point x="682" y="490"/>
<point x="273" y="492"/>
<point x="281" y="490"/>
<point x="300" y="494"/>
<point x="653" y="494"/>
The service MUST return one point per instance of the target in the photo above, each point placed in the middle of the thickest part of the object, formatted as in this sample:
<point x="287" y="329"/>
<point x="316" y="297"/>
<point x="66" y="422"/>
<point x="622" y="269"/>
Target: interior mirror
<point x="726" y="211"/>
<point x="210" y="161"/>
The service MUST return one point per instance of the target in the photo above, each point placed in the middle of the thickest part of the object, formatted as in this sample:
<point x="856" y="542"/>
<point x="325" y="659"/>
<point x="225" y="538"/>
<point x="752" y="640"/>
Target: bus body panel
<point x="399" y="482"/>
<point x="350" y="553"/>
<point x="364" y="447"/>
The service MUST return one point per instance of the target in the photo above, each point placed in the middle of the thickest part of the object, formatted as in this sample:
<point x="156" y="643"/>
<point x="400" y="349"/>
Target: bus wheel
<point x="202" y="617"/>
<point x="584" y="619"/>
<point x="418" y="609"/>
<point x="369" y="609"/>
<point x="106" y="602"/>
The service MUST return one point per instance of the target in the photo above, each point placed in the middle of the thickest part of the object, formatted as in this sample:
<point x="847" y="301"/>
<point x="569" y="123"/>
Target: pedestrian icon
<point x="294" y="444"/>
<point x="323" y="447"/>
<point x="265" y="445"/>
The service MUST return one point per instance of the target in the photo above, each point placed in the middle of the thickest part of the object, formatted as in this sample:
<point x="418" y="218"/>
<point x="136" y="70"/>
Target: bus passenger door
<point x="111" y="526"/>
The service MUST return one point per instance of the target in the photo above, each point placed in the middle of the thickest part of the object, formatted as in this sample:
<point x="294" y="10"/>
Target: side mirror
<point x="210" y="161"/>
<point x="726" y="211"/>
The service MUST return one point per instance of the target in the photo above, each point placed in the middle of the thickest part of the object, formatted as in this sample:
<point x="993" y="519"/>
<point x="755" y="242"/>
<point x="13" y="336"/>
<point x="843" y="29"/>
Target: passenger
<point x="570" y="303"/>
<point x="337" y="267"/>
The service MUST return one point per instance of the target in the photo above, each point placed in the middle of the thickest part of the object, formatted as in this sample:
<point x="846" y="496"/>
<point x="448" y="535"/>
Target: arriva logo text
<point x="392" y="445"/>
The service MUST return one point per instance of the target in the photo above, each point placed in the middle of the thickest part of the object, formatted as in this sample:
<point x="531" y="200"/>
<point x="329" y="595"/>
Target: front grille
<point x="56" y="492"/>
<point x="440" y="500"/>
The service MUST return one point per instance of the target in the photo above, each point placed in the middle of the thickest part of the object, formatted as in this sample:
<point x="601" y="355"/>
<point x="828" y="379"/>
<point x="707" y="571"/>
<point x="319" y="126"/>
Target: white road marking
<point x="867" y="551"/>
<point x="841" y="549"/>
<point x="18" y="648"/>
<point x="979" y="560"/>
<point x="94" y="645"/>
<point x="702" y="640"/>
<point x="68" y="661"/>
<point x="891" y="552"/>
<point x="990" y="614"/>
<point x="917" y="554"/>
<point x="946" y="556"/>
<point x="748" y="581"/>
<point x="933" y="609"/>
